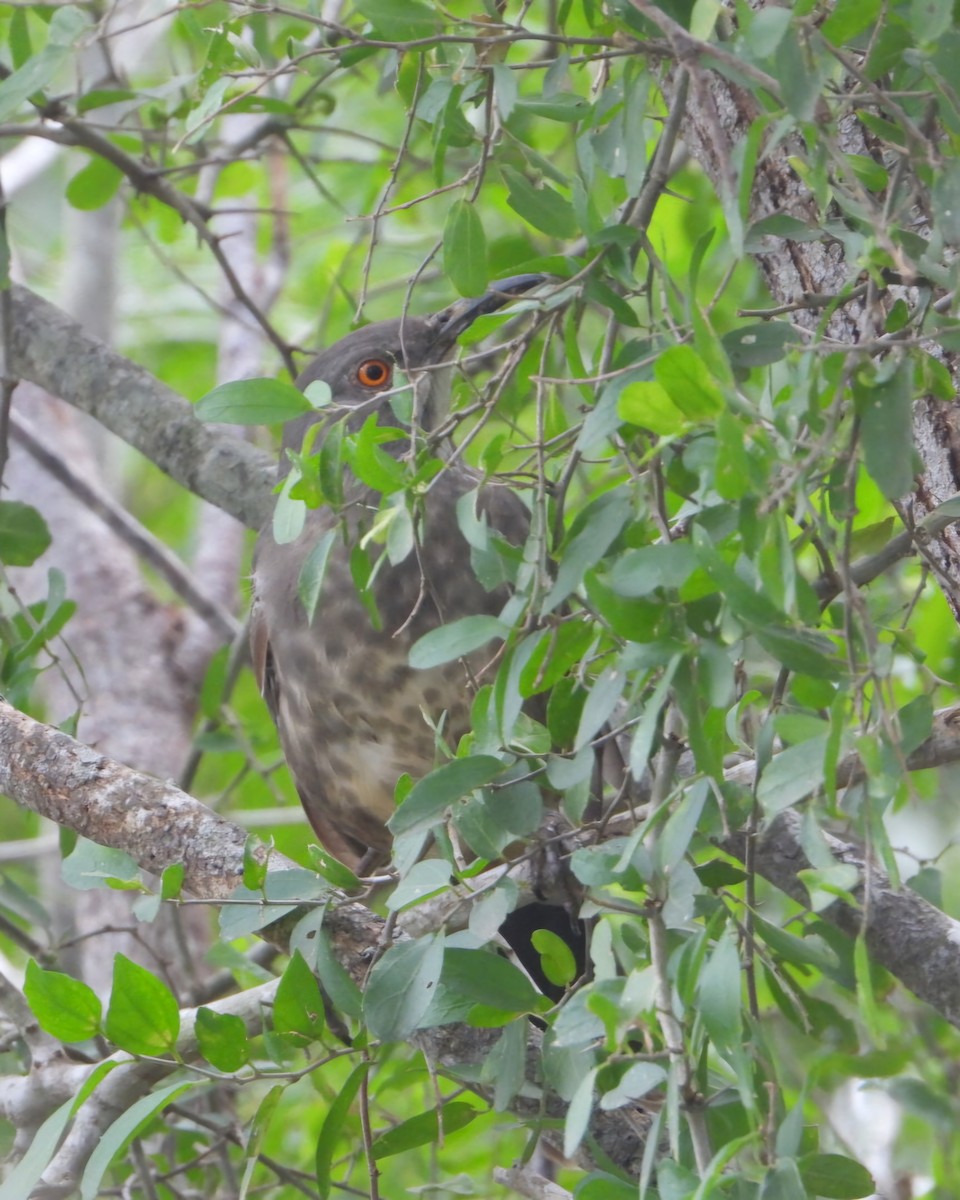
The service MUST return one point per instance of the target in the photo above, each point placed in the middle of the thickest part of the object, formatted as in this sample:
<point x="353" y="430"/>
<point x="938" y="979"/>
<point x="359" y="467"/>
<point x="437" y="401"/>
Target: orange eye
<point x="374" y="373"/>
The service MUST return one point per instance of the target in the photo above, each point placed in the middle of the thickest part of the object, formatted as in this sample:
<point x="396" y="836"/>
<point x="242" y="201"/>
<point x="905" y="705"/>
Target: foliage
<point x="708" y="474"/>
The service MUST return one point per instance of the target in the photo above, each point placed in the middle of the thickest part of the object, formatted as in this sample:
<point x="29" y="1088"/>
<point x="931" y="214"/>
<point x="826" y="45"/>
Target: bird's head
<point x="362" y="368"/>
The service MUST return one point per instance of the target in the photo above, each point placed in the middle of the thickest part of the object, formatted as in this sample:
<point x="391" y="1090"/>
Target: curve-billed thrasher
<point x="348" y="706"/>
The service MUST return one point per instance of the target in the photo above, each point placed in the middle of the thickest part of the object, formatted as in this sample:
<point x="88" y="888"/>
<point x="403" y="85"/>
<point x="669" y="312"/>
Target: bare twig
<point x="140" y="540"/>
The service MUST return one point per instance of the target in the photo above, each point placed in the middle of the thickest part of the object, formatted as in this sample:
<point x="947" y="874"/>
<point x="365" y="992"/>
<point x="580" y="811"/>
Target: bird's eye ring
<point x="374" y="373"/>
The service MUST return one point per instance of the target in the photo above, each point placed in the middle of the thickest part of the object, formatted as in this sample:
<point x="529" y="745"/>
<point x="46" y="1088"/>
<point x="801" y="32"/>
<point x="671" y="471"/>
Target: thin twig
<point x="126" y="527"/>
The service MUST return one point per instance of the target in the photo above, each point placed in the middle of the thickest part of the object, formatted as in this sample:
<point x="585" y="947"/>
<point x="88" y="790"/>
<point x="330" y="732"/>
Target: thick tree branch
<point x="158" y="825"/>
<point x="51" y="350"/>
<point x="154" y="822"/>
<point x="914" y="941"/>
<point x="940" y="748"/>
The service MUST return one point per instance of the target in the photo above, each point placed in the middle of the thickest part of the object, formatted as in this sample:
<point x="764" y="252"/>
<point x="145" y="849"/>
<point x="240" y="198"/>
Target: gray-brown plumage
<point x="348" y="706"/>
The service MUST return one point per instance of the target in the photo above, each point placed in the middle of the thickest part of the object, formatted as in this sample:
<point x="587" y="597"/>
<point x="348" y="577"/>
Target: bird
<point x="350" y="709"/>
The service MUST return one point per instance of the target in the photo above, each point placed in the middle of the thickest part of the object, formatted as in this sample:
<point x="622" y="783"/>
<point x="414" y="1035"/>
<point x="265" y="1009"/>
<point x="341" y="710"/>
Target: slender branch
<point x="870" y="566"/>
<point x="141" y="540"/>
<point x="687" y="47"/>
<point x="8" y="380"/>
<point x="148" y="181"/>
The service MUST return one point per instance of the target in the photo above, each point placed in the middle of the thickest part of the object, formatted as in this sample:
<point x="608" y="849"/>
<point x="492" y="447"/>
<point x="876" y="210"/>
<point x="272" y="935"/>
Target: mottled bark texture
<point x="915" y="941"/>
<point x="718" y="119"/>
<point x="51" y="350"/>
<point x="159" y="825"/>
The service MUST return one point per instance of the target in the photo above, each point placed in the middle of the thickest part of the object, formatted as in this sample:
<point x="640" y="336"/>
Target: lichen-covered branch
<point x="52" y="350"/>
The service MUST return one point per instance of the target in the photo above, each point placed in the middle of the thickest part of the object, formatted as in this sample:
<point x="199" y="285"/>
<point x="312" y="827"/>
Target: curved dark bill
<point x="453" y="320"/>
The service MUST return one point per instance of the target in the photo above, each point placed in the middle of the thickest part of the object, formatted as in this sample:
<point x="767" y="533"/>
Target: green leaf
<point x="26" y="1173"/>
<point x="449" y="642"/>
<point x="424" y="878"/>
<point x="647" y="405"/>
<point x="261" y="1121"/>
<point x="802" y="650"/>
<point x="119" y="1135"/>
<point x="783" y="1182"/>
<point x="333" y="1123"/>
<point x="594" y="532"/>
<point x="222" y="1038"/>
<point x="871" y="174"/>
<point x="556" y="957"/>
<point x="505" y="89"/>
<point x="66" y="28"/>
<point x="252" y="402"/>
<point x="211" y="103"/>
<point x="289" y="514"/>
<point x="432" y="794"/>
<point x="578" y="1113"/>
<point x="792" y="775"/>
<point x="644" y="571"/>
<point x="916" y="723"/>
<point x="171" y="881"/>
<point x="18" y="37"/>
<point x="766" y="29"/>
<point x="465" y="249"/>
<point x="600" y="293"/>
<point x="562" y="106"/>
<point x="425" y="1129"/>
<point x="945" y="201"/>
<point x="835" y="1177"/>
<point x="332" y="870"/>
<point x="143" y="1017"/>
<point x="930" y="19"/>
<point x="371" y="464"/>
<point x="400" y="534"/>
<point x="541" y="206"/>
<point x="718" y="995"/>
<point x="361" y="571"/>
<point x="401" y="986"/>
<point x="100" y="97"/>
<point x="487" y="979"/>
<point x="920" y="1099"/>
<point x="825" y="885"/>
<point x="599" y="1186"/>
<point x="90" y="866"/>
<point x="760" y="344"/>
<point x="806" y="950"/>
<point x="337" y="983"/>
<point x="298" y="1005"/>
<point x="646" y="729"/>
<point x="94" y="185"/>
<point x="65" y="1007"/>
<point x="48" y="617"/>
<point x="801" y="73"/>
<point x="866" y="993"/>
<point x="848" y="19"/>
<point x="564" y="712"/>
<point x="600" y="703"/>
<point x="312" y="572"/>
<point x="635" y="1082"/>
<point x="23" y="534"/>
<point x="504" y="1068"/>
<point x="330" y="469"/>
<point x="254" y="863"/>
<point x="687" y="380"/>
<point x="674" y="841"/>
<point x="886" y="430"/>
<point x="400" y="20"/>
